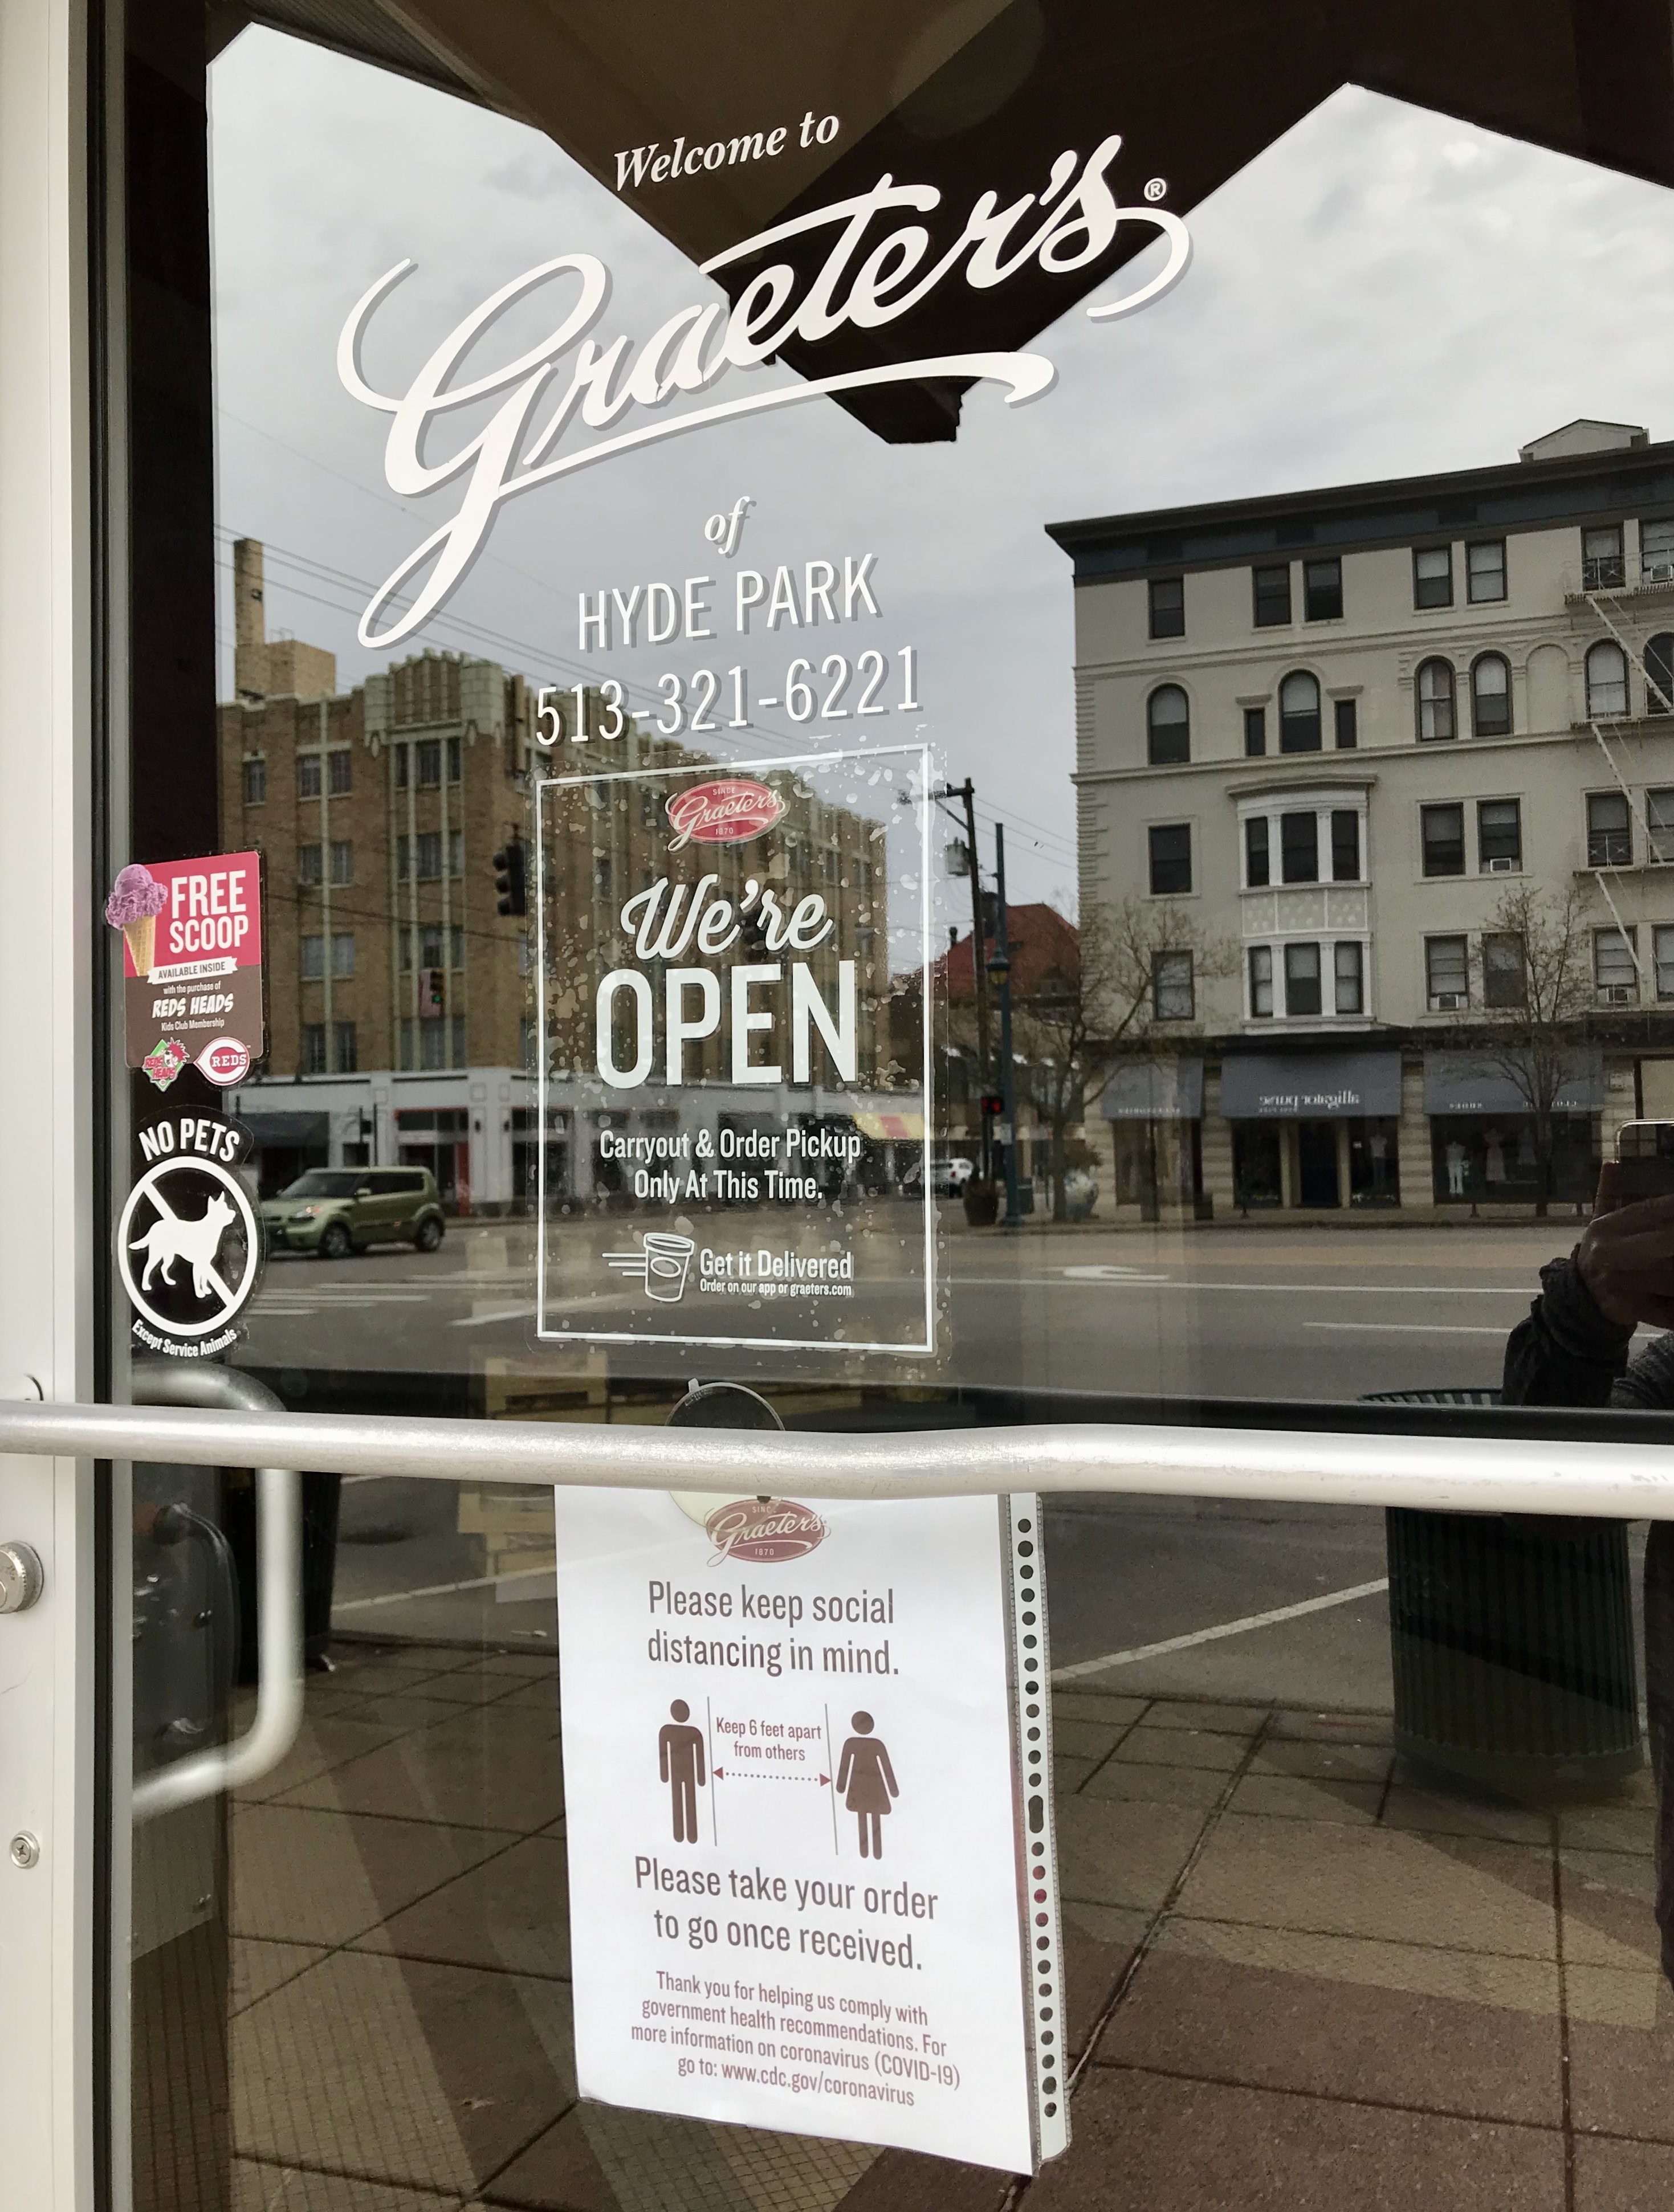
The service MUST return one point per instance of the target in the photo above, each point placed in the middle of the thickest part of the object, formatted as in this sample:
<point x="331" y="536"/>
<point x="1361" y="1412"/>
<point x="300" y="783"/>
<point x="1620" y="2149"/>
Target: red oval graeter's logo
<point x="765" y="1529"/>
<point x="723" y="813"/>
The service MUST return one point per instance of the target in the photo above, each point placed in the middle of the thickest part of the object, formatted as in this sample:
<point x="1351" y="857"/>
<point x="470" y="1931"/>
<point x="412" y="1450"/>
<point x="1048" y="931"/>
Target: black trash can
<point x="1512" y="1640"/>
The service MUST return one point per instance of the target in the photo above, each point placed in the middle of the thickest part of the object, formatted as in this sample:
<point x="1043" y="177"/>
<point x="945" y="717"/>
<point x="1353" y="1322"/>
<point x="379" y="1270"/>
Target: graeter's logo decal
<point x="765" y="1529"/>
<point x="727" y="812"/>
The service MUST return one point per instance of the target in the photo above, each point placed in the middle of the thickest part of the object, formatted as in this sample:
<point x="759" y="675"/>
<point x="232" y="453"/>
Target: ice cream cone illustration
<point x="141" y="937"/>
<point x="136" y="901"/>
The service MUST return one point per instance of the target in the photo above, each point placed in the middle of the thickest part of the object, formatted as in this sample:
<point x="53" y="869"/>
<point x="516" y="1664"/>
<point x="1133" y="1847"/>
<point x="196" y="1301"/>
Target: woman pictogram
<point x="869" y="1779"/>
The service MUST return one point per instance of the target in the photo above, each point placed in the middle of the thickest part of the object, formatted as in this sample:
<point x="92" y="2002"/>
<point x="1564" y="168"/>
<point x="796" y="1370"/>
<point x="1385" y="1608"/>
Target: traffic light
<point x="993" y="1105"/>
<point x="510" y="880"/>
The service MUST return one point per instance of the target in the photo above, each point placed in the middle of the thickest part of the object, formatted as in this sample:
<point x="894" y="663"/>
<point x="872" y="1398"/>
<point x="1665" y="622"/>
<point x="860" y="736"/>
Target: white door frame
<point x="49" y="2064"/>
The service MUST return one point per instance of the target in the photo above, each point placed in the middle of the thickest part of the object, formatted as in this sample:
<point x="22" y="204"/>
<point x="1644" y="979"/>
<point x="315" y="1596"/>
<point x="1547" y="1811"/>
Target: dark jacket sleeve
<point x="1568" y="1353"/>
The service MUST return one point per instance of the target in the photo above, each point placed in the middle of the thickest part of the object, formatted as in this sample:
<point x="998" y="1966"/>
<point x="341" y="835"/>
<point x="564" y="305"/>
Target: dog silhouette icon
<point x="172" y="1238"/>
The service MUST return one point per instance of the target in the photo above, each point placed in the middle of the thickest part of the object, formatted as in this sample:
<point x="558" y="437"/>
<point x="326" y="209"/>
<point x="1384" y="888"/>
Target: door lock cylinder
<point x="22" y="1579"/>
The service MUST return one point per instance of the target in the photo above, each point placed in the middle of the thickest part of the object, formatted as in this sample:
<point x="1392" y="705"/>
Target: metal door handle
<point x="278" y="1586"/>
<point x="22" y="1578"/>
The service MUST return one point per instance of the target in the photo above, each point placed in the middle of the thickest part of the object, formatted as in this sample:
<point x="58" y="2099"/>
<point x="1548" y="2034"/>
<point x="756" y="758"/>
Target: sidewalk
<point x="1295" y="1979"/>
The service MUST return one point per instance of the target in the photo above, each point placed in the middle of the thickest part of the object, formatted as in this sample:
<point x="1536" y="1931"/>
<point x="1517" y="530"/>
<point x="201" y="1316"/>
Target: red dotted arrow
<point x="768" y="1774"/>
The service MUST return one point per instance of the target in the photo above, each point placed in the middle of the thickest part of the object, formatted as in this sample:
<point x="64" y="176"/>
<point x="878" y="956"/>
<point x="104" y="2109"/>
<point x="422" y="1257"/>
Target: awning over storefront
<point x="1153" y="1091"/>
<point x="1489" y="1083"/>
<point x="1281" y="1086"/>
<point x="889" y="1127"/>
<point x="288" y="1128"/>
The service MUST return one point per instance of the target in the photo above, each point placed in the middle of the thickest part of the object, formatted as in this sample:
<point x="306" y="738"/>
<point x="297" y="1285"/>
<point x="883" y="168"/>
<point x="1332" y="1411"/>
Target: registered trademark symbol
<point x="1157" y="188"/>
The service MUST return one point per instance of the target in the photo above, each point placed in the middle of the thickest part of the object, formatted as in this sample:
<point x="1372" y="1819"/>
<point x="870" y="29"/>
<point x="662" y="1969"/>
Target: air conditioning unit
<point x="1449" y="1002"/>
<point x="1502" y="867"/>
<point x="1619" y="994"/>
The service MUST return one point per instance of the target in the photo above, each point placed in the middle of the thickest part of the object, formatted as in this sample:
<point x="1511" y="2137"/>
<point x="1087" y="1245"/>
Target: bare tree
<point x="1536" y="997"/>
<point x="1122" y="988"/>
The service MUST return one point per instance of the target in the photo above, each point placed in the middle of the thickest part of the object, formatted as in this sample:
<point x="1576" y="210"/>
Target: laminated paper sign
<point x="736" y="965"/>
<point x="808" y="1811"/>
<point x="192" y="964"/>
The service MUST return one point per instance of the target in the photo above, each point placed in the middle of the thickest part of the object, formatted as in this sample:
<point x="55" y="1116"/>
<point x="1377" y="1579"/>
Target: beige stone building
<point x="1344" y="731"/>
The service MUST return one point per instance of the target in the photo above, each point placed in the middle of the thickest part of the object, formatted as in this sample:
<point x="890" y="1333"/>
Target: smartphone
<point x="1644" y="1161"/>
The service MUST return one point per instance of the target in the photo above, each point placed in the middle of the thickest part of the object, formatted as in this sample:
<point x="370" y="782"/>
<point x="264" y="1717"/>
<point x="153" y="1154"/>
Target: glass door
<point x="749" y="589"/>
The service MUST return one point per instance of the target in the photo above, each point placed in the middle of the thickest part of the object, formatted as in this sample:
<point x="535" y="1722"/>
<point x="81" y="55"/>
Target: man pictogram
<point x="680" y="1763"/>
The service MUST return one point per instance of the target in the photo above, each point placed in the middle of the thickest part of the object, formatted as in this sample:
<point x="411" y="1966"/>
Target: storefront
<point x="1313" y="1130"/>
<point x="1487" y="1139"/>
<point x="554" y="561"/>
<point x="1155" y="1110"/>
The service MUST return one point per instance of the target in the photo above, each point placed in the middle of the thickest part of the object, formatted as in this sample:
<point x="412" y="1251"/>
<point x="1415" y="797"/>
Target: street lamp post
<point x="1000" y="972"/>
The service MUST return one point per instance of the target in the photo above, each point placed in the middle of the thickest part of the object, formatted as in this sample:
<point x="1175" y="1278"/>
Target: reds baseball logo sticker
<point x="226" y="1062"/>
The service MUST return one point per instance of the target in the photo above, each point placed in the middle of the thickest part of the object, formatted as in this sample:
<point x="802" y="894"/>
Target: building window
<point x="402" y="861"/>
<point x="525" y="952"/>
<point x="1663" y="945"/>
<point x="1603" y="568"/>
<point x="1167" y="726"/>
<point x="397" y="756"/>
<point x="430" y="856"/>
<point x="1498" y="835"/>
<point x="348" y="1050"/>
<point x="1256" y="859"/>
<point x="343" y="861"/>
<point x="602" y="877"/>
<point x="526" y="1040"/>
<point x="430" y="763"/>
<point x="341" y="774"/>
<point x="1299" y="712"/>
<point x="1272" y="591"/>
<point x="310" y="864"/>
<point x="1613" y="969"/>
<point x="432" y="1043"/>
<point x="343" y="952"/>
<point x="1660" y="823"/>
<point x="454" y="758"/>
<point x="456" y="852"/>
<point x="1345" y="715"/>
<point x="1349" y="980"/>
<point x="1435" y="701"/>
<point x="1502" y="970"/>
<point x="1432" y="576"/>
<point x="1656" y="550"/>
<point x="459" y="1039"/>
<point x="1446" y="974"/>
<point x="1254" y="731"/>
<point x="1261" y="981"/>
<point x="1302" y="980"/>
<point x="1168" y="607"/>
<point x="1322" y="590"/>
<point x="1299" y="848"/>
<point x="429" y="944"/>
<point x="1659" y="674"/>
<point x="1490" y="697"/>
<point x="1345" y="845"/>
<point x="1485" y="570"/>
<point x="1610" y="832"/>
<point x="456" y="945"/>
<point x="1170" y="858"/>
<point x="313" y="959"/>
<point x="313" y="1047"/>
<point x="307" y="775"/>
<point x="1606" y="681"/>
<point x="255" y="782"/>
<point x="830" y="864"/>
<point x="1171" y="994"/>
<point x="1442" y="832"/>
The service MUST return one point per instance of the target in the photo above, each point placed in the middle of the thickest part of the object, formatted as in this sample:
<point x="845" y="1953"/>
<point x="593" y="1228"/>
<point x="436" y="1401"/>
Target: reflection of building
<point x="1341" y="730"/>
<point x="1045" y="949"/>
<point x="396" y="1003"/>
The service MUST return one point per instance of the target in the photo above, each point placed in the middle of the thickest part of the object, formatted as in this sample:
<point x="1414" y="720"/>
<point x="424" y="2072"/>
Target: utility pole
<point x="967" y="793"/>
<point x="1001" y="968"/>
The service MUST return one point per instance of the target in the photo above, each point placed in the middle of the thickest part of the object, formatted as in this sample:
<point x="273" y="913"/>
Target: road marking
<point x="1329" y="1290"/>
<point x="500" y="1313"/>
<point x="1409" y="1327"/>
<point x="443" y="1589"/>
<point x="1111" y="1275"/>
<point x="1062" y="1674"/>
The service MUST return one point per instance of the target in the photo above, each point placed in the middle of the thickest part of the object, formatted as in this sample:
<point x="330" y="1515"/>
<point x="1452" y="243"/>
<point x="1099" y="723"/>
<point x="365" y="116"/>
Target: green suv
<point x="338" y="1211"/>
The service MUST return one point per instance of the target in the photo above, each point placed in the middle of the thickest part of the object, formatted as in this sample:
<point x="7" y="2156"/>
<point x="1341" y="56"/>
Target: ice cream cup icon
<point x="668" y="1257"/>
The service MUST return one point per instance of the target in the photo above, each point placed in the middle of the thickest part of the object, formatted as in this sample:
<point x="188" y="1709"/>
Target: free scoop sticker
<point x="225" y="1061"/>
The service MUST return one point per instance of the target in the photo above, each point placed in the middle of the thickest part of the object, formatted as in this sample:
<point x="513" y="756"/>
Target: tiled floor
<point x="1296" y="1978"/>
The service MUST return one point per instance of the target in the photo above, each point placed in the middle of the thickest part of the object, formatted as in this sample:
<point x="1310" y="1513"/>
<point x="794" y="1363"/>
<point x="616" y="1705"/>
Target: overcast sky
<point x="1385" y="291"/>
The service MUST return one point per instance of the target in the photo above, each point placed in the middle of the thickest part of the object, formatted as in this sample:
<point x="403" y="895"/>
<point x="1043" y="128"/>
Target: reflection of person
<point x="1494" y="1167"/>
<point x="1455" y="1157"/>
<point x="680" y="1764"/>
<point x="1572" y="1351"/>
<point x="869" y="1779"/>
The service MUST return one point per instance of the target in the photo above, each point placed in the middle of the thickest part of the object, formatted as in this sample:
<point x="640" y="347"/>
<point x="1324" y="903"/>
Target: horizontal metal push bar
<point x="1624" y="1481"/>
